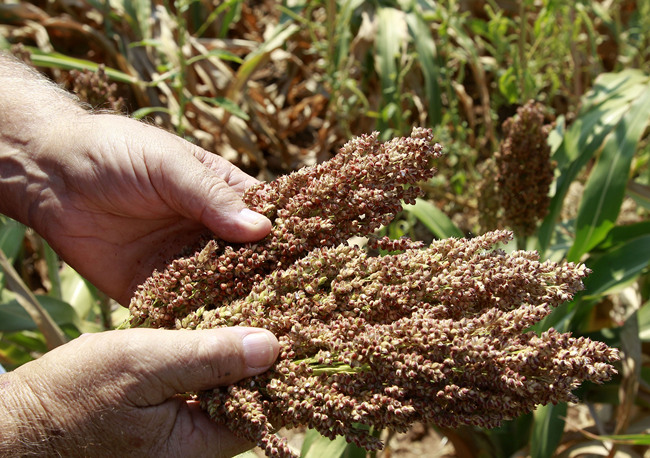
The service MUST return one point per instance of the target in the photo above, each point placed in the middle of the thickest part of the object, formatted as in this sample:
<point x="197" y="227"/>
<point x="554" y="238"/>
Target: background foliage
<point x="273" y="86"/>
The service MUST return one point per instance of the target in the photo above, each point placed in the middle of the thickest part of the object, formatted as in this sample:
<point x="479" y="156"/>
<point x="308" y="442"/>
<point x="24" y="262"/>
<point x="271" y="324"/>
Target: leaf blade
<point x="607" y="183"/>
<point x="434" y="219"/>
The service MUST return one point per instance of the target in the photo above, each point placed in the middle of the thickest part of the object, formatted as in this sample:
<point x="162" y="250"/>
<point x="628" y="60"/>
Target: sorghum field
<point x="461" y="266"/>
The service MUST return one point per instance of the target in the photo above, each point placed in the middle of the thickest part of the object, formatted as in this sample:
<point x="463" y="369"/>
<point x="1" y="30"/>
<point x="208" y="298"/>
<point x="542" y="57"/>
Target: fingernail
<point x="251" y="217"/>
<point x="258" y="349"/>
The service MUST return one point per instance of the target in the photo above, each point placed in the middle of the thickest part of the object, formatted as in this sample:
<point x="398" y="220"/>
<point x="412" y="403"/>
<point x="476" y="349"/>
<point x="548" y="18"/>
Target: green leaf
<point x="11" y="237"/>
<point x="624" y="234"/>
<point x="232" y="10"/>
<point x="354" y="451"/>
<point x="618" y="267"/>
<point x="317" y="446"/>
<point x="146" y="111"/>
<point x="52" y="333"/>
<point x="512" y="436"/>
<point x="120" y="316"/>
<point x="627" y="439"/>
<point x="387" y="48"/>
<point x="425" y="47"/>
<point x="228" y="105"/>
<point x="140" y="11"/>
<point x="508" y="85"/>
<point x="547" y="430"/>
<point x="602" y="110"/>
<point x="256" y="58"/>
<point x="611" y="271"/>
<point x="56" y="60"/>
<point x="311" y="436"/>
<point x="14" y="318"/>
<point x="52" y="260"/>
<point x="11" y="355"/>
<point x="219" y="54"/>
<point x="31" y="341"/>
<point x="78" y="292"/>
<point x="434" y="219"/>
<point x="607" y="182"/>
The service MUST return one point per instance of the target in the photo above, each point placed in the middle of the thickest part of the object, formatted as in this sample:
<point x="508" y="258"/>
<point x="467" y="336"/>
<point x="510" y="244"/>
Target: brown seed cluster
<point x="95" y="89"/>
<point x="524" y="173"/>
<point x="355" y="193"/>
<point x="434" y="333"/>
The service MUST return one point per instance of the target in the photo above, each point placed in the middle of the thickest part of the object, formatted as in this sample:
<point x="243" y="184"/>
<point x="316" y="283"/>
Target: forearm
<point x="34" y="114"/>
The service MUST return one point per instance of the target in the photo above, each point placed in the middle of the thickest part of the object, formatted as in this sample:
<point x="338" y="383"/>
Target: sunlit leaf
<point x="258" y="57"/>
<point x="56" y="60"/>
<point x="618" y="266"/>
<point x="76" y="291"/>
<point x="611" y="271"/>
<point x="623" y="234"/>
<point x="219" y="54"/>
<point x="426" y="49"/>
<point x="629" y="439"/>
<point x="228" y="105"/>
<point x="602" y="111"/>
<point x="146" y="111"/>
<point x="434" y="219"/>
<point x="607" y="182"/>
<point x="316" y="446"/>
<point x="31" y="341"/>
<point x="12" y="355"/>
<point x="391" y="32"/>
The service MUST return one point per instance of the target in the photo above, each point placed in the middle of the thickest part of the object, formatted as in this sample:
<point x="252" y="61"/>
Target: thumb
<point x="199" y="193"/>
<point x="177" y="361"/>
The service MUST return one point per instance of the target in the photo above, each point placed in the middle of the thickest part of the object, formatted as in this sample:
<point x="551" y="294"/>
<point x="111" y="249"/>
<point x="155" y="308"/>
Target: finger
<point x="199" y="193"/>
<point x="167" y="362"/>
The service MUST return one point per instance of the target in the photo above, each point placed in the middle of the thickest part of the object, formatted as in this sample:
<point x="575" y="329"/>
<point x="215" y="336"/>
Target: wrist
<point x="21" y="420"/>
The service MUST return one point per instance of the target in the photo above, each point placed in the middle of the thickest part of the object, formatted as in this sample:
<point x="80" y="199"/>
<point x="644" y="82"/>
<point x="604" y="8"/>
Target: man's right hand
<point x="119" y="393"/>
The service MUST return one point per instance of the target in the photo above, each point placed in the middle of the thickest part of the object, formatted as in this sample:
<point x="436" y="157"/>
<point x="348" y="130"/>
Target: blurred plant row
<point x="272" y="86"/>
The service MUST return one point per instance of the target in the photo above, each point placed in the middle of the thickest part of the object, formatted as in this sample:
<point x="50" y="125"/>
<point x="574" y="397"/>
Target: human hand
<point x="117" y="198"/>
<point x="116" y="393"/>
